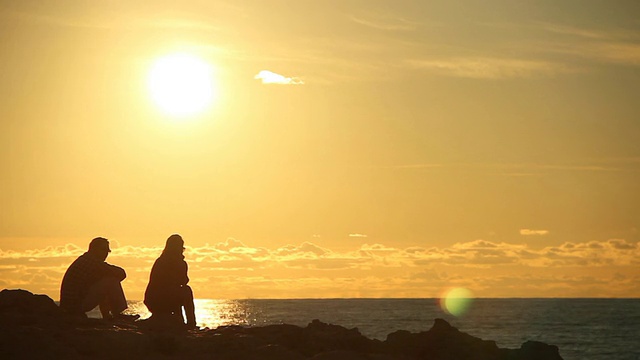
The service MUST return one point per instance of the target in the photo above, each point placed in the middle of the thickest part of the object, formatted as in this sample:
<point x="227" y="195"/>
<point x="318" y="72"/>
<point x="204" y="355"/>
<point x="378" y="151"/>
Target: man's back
<point x="90" y="281"/>
<point x="83" y="272"/>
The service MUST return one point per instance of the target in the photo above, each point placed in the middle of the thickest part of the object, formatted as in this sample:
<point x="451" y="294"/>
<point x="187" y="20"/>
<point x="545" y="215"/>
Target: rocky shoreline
<point x="33" y="327"/>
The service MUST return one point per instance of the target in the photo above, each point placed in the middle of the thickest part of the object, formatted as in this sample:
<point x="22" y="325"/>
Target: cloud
<point x="477" y="244"/>
<point x="268" y="77"/>
<point x="487" y="67"/>
<point x="419" y="166"/>
<point x="472" y="253"/>
<point x="385" y="22"/>
<point x="613" y="46"/>
<point x="378" y="247"/>
<point x="622" y="244"/>
<point x="575" y="31"/>
<point x="306" y="250"/>
<point x="356" y="235"/>
<point x="104" y="22"/>
<point x="527" y="232"/>
<point x="479" y="264"/>
<point x="68" y="250"/>
<point x="530" y="169"/>
<point x="620" y="52"/>
<point x="229" y="244"/>
<point x="109" y="17"/>
<point x="628" y="160"/>
<point x="180" y="24"/>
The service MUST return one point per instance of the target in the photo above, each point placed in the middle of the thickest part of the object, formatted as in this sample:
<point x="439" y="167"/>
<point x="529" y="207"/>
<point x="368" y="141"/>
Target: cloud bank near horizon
<point x="490" y="269"/>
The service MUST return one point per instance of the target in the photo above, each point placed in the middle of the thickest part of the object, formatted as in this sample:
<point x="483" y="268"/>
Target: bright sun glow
<point x="181" y="84"/>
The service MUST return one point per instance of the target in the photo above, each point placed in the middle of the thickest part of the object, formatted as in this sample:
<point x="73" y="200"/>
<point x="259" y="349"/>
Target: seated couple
<point x="90" y="282"/>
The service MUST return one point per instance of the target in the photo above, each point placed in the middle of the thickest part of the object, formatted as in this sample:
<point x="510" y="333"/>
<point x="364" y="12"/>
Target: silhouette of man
<point x="90" y="282"/>
<point x="168" y="292"/>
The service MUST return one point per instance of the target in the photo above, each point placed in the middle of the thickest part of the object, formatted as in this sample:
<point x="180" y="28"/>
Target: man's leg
<point x="107" y="291"/>
<point x="105" y="309"/>
<point x="189" y="307"/>
<point x="115" y="296"/>
<point x="96" y="295"/>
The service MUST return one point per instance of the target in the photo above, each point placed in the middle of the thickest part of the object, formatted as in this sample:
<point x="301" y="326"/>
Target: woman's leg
<point x="189" y="307"/>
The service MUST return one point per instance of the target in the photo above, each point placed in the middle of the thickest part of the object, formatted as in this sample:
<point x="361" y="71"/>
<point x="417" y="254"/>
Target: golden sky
<point x="351" y="149"/>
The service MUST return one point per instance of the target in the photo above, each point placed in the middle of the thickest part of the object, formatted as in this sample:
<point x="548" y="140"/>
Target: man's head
<point x="99" y="247"/>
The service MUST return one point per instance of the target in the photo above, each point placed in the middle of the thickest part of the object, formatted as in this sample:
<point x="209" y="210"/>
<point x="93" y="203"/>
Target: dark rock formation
<point x="33" y="327"/>
<point x="442" y="341"/>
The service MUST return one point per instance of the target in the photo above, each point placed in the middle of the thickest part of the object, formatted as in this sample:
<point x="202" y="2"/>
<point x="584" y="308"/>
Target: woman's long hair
<point x="174" y="247"/>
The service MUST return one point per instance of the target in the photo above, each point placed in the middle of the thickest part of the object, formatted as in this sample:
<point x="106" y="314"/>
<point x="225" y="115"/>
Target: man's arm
<point x="115" y="271"/>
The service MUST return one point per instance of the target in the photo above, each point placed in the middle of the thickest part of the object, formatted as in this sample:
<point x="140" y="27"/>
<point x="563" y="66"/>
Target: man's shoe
<point x="126" y="317"/>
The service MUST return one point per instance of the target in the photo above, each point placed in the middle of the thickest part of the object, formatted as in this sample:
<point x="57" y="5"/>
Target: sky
<point x="350" y="148"/>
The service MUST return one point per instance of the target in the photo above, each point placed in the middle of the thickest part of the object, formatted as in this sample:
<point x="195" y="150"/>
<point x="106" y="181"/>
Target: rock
<point x="289" y="336"/>
<point x="24" y="302"/>
<point x="163" y="323"/>
<point x="341" y="355"/>
<point x="276" y="352"/>
<point x="21" y="307"/>
<point x="532" y="350"/>
<point x="442" y="341"/>
<point x="322" y="337"/>
<point x="33" y="327"/>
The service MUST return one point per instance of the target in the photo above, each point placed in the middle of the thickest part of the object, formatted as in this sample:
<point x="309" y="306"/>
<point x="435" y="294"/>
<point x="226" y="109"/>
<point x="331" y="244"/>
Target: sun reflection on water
<point x="213" y="313"/>
<point x="210" y="313"/>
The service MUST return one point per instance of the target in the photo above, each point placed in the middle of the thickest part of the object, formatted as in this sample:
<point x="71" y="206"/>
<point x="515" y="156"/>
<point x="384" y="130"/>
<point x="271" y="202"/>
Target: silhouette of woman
<point x="168" y="292"/>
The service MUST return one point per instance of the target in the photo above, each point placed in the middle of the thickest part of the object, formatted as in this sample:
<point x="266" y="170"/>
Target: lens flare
<point x="456" y="301"/>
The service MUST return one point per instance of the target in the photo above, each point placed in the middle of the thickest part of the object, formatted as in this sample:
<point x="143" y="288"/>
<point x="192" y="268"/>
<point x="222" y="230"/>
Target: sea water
<point x="583" y="329"/>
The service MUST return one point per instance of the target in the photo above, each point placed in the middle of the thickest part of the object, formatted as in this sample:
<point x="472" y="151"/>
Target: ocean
<point x="583" y="329"/>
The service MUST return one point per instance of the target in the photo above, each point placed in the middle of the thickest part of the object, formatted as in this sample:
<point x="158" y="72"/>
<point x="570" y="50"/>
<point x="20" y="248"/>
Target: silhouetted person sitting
<point x="168" y="292"/>
<point x="90" y="282"/>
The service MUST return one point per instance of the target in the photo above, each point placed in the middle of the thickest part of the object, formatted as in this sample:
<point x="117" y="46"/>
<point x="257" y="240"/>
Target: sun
<point x="181" y="84"/>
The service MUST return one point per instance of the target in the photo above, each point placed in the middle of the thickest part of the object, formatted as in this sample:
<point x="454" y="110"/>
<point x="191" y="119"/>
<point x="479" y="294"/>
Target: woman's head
<point x="174" y="245"/>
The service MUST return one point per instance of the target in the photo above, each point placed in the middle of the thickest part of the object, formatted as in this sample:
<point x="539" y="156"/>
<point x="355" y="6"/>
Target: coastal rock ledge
<point x="33" y="327"/>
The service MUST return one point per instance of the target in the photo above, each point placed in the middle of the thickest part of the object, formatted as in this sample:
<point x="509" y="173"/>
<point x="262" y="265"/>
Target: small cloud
<point x="487" y="68"/>
<point x="269" y="77"/>
<point x="476" y="244"/>
<point x="621" y="244"/>
<point x="527" y="232"/>
<point x="312" y="248"/>
<point x="386" y="23"/>
<point x="358" y="235"/>
<point x="305" y="250"/>
<point x="419" y="166"/>
<point x="169" y="23"/>
<point x="377" y="247"/>
<point x="230" y="244"/>
<point x="575" y="31"/>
